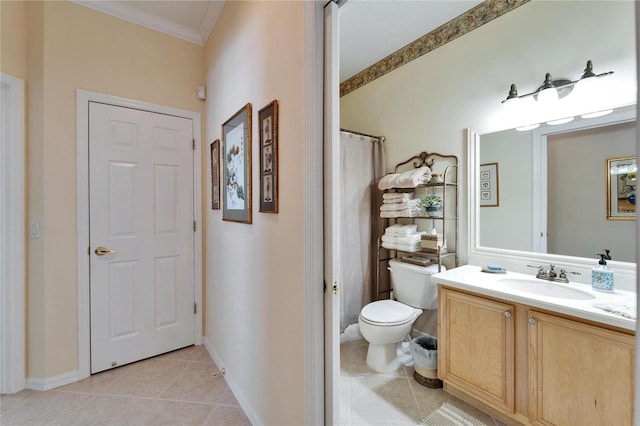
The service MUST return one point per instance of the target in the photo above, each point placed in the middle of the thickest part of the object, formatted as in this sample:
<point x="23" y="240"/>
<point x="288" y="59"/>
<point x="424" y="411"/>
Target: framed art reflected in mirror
<point x="621" y="188"/>
<point x="489" y="195"/>
<point x="268" y="122"/>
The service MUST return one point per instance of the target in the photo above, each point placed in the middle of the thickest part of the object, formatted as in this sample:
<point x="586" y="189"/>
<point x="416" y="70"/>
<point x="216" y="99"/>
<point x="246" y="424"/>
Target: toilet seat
<point x="388" y="313"/>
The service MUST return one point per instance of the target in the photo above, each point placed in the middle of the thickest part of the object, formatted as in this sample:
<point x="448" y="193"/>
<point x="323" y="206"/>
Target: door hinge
<point x="194" y="226"/>
<point x="195" y="308"/>
<point x="193" y="144"/>
<point x="89" y="251"/>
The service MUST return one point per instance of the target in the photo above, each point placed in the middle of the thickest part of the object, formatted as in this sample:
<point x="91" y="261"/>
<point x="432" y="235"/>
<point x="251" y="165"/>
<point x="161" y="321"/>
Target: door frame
<point x="13" y="243"/>
<point x="83" y="98"/>
<point x="332" y="210"/>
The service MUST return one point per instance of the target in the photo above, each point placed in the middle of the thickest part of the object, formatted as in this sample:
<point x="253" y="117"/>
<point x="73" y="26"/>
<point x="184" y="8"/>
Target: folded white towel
<point x="401" y="230"/>
<point x="396" y="197"/>
<point x="409" y="179"/>
<point x="400" y="206"/>
<point x="398" y="200"/>
<point x="397" y="239"/>
<point x="402" y="247"/>
<point x="412" y="212"/>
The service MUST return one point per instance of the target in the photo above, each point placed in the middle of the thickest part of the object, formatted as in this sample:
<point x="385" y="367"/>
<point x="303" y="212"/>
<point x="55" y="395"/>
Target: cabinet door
<point x="579" y="374"/>
<point x="476" y="342"/>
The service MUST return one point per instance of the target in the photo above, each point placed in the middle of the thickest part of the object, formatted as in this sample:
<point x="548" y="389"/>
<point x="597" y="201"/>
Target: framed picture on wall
<point x="236" y="167"/>
<point x="268" y="122"/>
<point x="489" y="190"/>
<point x="215" y="175"/>
<point x="621" y="188"/>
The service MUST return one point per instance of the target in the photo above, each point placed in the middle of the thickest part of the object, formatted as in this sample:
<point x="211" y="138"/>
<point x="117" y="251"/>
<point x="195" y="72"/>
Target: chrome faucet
<point x="551" y="275"/>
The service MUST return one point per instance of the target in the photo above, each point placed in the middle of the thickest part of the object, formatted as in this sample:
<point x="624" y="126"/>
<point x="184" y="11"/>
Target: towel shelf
<point x="447" y="225"/>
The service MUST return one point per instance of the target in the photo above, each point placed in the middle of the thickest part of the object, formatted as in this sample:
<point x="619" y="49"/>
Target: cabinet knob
<point x="532" y="321"/>
<point x="507" y="314"/>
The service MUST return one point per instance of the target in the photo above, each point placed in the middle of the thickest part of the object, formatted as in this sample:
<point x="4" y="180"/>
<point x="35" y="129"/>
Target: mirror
<point x="551" y="188"/>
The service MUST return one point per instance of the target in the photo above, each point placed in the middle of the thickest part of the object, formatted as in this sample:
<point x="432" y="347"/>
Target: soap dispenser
<point x="602" y="276"/>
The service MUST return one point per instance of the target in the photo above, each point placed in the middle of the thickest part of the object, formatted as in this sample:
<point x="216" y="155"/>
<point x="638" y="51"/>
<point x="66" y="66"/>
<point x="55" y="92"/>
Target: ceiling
<point x="369" y="29"/>
<point x="190" y="20"/>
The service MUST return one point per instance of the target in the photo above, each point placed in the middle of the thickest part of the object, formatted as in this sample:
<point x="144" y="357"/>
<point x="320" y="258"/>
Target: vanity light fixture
<point x="552" y="90"/>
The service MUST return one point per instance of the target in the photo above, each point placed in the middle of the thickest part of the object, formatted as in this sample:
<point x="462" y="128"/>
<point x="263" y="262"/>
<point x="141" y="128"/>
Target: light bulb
<point x="548" y="96"/>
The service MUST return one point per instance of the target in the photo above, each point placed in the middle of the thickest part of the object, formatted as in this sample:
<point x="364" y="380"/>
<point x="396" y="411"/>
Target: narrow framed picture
<point x="489" y="189"/>
<point x="268" y="122"/>
<point x="621" y="188"/>
<point x="236" y="166"/>
<point x="215" y="175"/>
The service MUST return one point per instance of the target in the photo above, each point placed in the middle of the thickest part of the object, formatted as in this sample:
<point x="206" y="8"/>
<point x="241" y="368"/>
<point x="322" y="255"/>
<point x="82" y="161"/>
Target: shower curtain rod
<point x="379" y="138"/>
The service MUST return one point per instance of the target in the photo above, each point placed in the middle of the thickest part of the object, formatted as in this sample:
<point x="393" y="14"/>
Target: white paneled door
<point x="141" y="234"/>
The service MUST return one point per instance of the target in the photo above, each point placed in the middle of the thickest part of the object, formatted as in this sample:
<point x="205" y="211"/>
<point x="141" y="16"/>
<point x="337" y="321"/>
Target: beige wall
<point x="13" y="38"/>
<point x="427" y="104"/>
<point x="72" y="47"/>
<point x="254" y="279"/>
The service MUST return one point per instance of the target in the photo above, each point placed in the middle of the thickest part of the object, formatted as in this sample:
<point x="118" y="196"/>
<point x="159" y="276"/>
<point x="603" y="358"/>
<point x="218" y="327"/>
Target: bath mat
<point x="448" y="415"/>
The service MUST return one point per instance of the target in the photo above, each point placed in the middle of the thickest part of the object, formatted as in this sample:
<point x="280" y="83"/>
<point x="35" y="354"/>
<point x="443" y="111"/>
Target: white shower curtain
<point x="362" y="162"/>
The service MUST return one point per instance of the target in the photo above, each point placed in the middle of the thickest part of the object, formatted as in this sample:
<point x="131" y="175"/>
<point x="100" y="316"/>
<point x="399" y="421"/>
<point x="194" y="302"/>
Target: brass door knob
<point x="101" y="251"/>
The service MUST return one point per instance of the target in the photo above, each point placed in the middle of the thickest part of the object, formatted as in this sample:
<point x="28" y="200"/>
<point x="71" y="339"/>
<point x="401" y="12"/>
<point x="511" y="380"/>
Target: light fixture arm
<point x="564" y="87"/>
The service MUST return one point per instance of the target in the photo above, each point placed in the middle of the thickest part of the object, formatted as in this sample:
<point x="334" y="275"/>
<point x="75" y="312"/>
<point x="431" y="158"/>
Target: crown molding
<point x="210" y="19"/>
<point x="148" y="20"/>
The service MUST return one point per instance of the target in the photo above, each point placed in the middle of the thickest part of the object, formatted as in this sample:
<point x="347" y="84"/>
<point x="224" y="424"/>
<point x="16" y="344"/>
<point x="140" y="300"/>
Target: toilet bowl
<point x="382" y="324"/>
<point x="385" y="322"/>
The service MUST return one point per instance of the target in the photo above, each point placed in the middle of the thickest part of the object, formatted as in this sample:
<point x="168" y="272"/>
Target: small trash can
<point x="424" y="351"/>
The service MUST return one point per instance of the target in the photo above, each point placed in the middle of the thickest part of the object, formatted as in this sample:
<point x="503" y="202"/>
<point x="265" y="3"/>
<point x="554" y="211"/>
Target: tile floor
<point x="170" y="389"/>
<point x="369" y="398"/>
<point x="178" y="388"/>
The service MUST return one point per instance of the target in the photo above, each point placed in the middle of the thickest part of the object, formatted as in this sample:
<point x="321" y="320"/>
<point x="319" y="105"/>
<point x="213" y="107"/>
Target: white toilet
<point x="386" y="322"/>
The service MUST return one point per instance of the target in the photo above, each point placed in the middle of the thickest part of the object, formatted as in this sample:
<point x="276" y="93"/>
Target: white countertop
<point x="471" y="278"/>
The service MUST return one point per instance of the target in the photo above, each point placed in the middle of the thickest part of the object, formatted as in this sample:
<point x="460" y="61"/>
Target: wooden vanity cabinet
<point x="579" y="374"/>
<point x="534" y="367"/>
<point x="476" y="347"/>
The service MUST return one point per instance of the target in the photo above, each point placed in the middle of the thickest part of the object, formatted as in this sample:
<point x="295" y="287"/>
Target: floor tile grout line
<point x="147" y="398"/>
<point x="415" y="400"/>
<point x="188" y="364"/>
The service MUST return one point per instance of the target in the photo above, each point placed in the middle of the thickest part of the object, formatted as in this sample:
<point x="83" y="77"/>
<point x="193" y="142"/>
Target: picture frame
<point x="268" y="122"/>
<point x="215" y="174"/>
<point x="621" y="188"/>
<point x="236" y="167"/>
<point x="489" y="185"/>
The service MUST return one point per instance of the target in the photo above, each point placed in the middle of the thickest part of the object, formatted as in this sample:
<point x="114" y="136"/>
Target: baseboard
<point x="49" y="383"/>
<point x="233" y="385"/>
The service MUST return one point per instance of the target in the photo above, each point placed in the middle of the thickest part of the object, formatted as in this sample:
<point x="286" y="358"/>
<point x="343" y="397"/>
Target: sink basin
<point x="546" y="288"/>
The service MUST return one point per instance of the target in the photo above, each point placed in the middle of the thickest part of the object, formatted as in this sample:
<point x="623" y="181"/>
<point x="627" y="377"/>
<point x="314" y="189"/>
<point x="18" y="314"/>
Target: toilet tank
<point x="412" y="284"/>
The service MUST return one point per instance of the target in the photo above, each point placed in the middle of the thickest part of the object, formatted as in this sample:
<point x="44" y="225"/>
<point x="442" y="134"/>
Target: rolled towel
<point x="409" y="179"/>
<point x="413" y="178"/>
